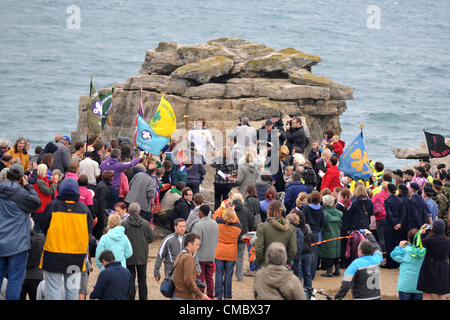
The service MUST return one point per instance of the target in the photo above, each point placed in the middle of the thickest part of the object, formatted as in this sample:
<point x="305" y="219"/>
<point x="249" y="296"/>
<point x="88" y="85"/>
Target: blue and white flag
<point x="354" y="161"/>
<point x="147" y="139"/>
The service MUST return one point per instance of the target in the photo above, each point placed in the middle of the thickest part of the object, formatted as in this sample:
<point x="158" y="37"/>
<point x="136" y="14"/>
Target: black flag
<point x="436" y="145"/>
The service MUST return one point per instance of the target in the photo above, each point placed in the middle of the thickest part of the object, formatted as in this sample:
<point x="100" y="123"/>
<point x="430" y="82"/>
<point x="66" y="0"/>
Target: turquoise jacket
<point x="409" y="269"/>
<point x="116" y="241"/>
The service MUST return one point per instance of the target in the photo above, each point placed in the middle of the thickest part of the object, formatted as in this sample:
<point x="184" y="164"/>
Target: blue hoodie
<point x="409" y="269"/>
<point x="116" y="241"/>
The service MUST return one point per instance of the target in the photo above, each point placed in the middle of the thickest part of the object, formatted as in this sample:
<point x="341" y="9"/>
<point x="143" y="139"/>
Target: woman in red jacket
<point x="45" y="189"/>
<point x="331" y="178"/>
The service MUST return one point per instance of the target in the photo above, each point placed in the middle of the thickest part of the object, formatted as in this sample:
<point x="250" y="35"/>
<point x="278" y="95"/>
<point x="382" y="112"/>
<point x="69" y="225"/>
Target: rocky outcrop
<point x="224" y="79"/>
<point x="421" y="152"/>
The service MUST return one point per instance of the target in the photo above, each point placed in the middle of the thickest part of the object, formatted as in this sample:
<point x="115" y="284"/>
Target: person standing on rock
<point x="244" y="134"/>
<point x="200" y="137"/>
<point x="295" y="135"/>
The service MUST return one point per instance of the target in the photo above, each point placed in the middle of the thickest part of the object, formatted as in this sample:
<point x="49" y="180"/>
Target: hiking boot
<point x="336" y="272"/>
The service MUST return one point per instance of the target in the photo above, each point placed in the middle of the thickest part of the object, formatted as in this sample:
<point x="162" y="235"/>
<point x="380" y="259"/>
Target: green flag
<point x="106" y="102"/>
<point x="94" y="111"/>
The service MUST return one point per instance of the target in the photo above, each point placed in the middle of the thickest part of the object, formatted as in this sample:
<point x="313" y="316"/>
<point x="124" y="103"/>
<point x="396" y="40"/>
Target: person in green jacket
<point x="330" y="252"/>
<point x="275" y="229"/>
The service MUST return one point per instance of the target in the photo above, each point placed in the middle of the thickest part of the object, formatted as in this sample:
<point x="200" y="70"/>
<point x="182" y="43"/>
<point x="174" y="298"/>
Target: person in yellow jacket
<point x="18" y="151"/>
<point x="67" y="223"/>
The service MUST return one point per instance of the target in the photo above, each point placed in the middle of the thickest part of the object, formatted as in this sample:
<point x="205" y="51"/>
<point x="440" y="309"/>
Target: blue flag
<point x="147" y="139"/>
<point x="354" y="161"/>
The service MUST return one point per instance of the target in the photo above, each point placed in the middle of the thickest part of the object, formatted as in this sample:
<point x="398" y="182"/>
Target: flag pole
<point x="87" y="113"/>
<point x="426" y="142"/>
<point x="361" y="126"/>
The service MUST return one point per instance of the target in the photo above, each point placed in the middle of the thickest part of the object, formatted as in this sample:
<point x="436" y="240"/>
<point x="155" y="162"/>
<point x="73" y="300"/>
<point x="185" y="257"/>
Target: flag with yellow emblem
<point x="355" y="161"/>
<point x="164" y="122"/>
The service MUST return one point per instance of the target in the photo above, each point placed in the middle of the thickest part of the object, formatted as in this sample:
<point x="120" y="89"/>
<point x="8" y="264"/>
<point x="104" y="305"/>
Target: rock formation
<point x="421" y="152"/>
<point x="222" y="80"/>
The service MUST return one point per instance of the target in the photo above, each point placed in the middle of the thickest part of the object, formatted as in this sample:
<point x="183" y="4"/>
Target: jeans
<point x="240" y="260"/>
<point x="15" y="266"/>
<point x="304" y="267"/>
<point x="55" y="282"/>
<point x="113" y="198"/>
<point x="315" y="254"/>
<point x="409" y="296"/>
<point x="141" y="271"/>
<point x="224" y="275"/>
<point x="207" y="277"/>
<point x="252" y="264"/>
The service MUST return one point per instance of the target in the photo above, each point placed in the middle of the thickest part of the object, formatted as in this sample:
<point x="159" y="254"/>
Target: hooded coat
<point x="116" y="241"/>
<point x="140" y="235"/>
<point x="67" y="223"/>
<point x="274" y="282"/>
<point x="247" y="174"/>
<point x="15" y="205"/>
<point x="245" y="218"/>
<point x="275" y="229"/>
<point x="331" y="229"/>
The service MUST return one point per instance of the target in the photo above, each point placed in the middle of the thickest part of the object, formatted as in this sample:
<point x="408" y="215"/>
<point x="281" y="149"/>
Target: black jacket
<point x="113" y="283"/>
<point x="34" y="256"/>
<point x="315" y="218"/>
<point x="296" y="137"/>
<point x="181" y="210"/>
<point x="358" y="210"/>
<point x="395" y="211"/>
<point x="245" y="217"/>
<point x="140" y="235"/>
<point x="101" y="198"/>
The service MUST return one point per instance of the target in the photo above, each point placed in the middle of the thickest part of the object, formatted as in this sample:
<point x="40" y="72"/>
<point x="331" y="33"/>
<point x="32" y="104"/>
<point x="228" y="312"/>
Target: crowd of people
<point x="74" y="203"/>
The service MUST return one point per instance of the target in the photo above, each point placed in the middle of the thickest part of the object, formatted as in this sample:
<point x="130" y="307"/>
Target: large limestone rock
<point x="421" y="152"/>
<point x="224" y="79"/>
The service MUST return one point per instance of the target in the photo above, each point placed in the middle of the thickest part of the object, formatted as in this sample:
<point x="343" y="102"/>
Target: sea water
<point x="395" y="54"/>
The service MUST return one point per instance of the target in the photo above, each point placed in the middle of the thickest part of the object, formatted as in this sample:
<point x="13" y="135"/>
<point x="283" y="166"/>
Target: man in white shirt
<point x="201" y="137"/>
<point x="90" y="168"/>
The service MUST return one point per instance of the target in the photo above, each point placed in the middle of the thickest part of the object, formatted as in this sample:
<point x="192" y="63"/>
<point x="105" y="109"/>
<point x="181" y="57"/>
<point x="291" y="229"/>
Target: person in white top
<point x="201" y="137"/>
<point x="90" y="168"/>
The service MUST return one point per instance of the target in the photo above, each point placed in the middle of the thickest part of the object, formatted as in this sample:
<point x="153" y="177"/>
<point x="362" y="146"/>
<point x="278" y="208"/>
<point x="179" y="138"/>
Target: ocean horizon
<point x="395" y="55"/>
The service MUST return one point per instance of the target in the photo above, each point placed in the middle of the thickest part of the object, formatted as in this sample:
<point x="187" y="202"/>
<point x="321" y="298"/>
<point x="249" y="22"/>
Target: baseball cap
<point x="66" y="138"/>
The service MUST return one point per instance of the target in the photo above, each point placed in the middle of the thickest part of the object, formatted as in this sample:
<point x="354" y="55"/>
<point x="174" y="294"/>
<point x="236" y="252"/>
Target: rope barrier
<point x="338" y="238"/>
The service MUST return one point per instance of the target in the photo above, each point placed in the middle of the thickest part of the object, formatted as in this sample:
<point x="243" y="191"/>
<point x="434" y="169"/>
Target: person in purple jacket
<point x="114" y="164"/>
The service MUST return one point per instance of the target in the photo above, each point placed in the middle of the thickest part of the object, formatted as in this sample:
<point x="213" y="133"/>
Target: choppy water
<point x="400" y="72"/>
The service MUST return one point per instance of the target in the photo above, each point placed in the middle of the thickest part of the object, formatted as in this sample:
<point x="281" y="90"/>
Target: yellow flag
<point x="164" y="121"/>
